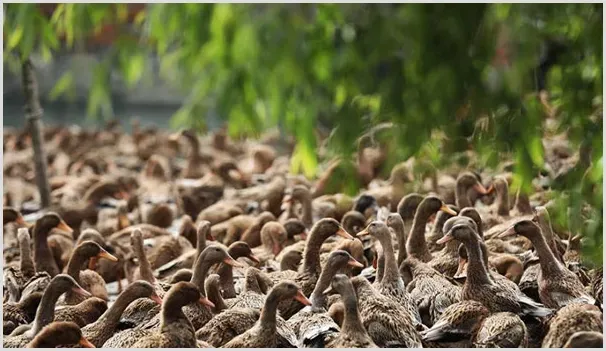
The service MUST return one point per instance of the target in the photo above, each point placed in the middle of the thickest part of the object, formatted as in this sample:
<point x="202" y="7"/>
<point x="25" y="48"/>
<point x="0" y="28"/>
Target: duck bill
<point x="123" y="220"/>
<point x="490" y="189"/>
<point x="446" y="238"/>
<point x="448" y="210"/>
<point x="344" y="234"/>
<point x="302" y="299"/>
<point x="480" y="189"/>
<point x="509" y="232"/>
<point x="209" y="236"/>
<point x="354" y="263"/>
<point x="157" y="299"/>
<point x="253" y="258"/>
<point x="206" y="302"/>
<point x="81" y="292"/>
<point x="230" y="261"/>
<point x="328" y="291"/>
<point x="174" y="137"/>
<point x="304" y="235"/>
<point x="64" y="227"/>
<point x="121" y="195"/>
<point x="85" y="343"/>
<point x="363" y="233"/>
<point x="107" y="256"/>
<point x="461" y="272"/>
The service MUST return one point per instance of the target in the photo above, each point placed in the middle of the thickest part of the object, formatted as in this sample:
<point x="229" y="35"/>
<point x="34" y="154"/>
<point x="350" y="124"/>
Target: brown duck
<point x="352" y="334"/>
<point x="83" y="313"/>
<point x="43" y="257"/>
<point x="90" y="280"/>
<point x="263" y="333"/>
<point x="45" y="313"/>
<point x="59" y="334"/>
<point x="176" y="330"/>
<point x="558" y="286"/>
<point x="15" y="314"/>
<point x="479" y="286"/>
<point x="575" y="317"/>
<point x="105" y="326"/>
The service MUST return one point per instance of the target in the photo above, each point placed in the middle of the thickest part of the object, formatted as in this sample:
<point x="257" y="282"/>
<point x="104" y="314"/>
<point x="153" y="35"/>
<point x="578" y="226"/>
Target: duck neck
<point x="306" y="215"/>
<point x="268" y="314"/>
<point x="462" y="196"/>
<point x="145" y="270"/>
<point x="111" y="318"/>
<point x="477" y="273"/>
<point x="416" y="245"/>
<point x="311" y="254"/>
<point x="380" y="267"/>
<point x="547" y="232"/>
<point x="550" y="266"/>
<point x="43" y="257"/>
<point x="214" y="295"/>
<point x="200" y="243"/>
<point x="25" y="259"/>
<point x="401" y="237"/>
<point x="171" y="312"/>
<point x="75" y="264"/>
<point x="503" y="201"/>
<point x="391" y="274"/>
<point x="45" y="313"/>
<point x="201" y="268"/>
<point x="352" y="323"/>
<point x="318" y="298"/>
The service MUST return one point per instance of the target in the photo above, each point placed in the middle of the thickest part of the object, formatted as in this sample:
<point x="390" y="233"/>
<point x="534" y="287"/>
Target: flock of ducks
<point x="209" y="242"/>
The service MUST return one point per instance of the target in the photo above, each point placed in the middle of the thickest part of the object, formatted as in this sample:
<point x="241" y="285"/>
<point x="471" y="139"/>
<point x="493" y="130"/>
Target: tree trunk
<point x="33" y="113"/>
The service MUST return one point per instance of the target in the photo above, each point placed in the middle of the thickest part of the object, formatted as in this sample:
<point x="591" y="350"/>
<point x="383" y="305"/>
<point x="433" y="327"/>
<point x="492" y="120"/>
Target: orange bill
<point x="209" y="236"/>
<point x="85" y="343"/>
<point x="363" y="232"/>
<point x="156" y="298"/>
<point x="509" y="232"/>
<point x="448" y="210"/>
<point x="230" y="261"/>
<point x="446" y="238"/>
<point x="253" y="258"/>
<point x="343" y="233"/>
<point x="124" y="222"/>
<point x="206" y="302"/>
<point x="328" y="291"/>
<point x="353" y="263"/>
<point x="107" y="256"/>
<point x="64" y="227"/>
<point x="480" y="189"/>
<point x="81" y="292"/>
<point x="302" y="299"/>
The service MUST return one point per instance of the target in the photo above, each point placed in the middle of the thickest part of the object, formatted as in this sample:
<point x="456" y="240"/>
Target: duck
<point x="17" y="277"/>
<point x="176" y="330"/>
<point x="236" y="250"/>
<point x="386" y="321"/>
<point x="186" y="259"/>
<point x="444" y="259"/>
<point x="45" y="313"/>
<point x="471" y="321"/>
<point x="585" y="339"/>
<point x="273" y="238"/>
<point x="263" y="333"/>
<point x="106" y="325"/>
<point x="312" y="325"/>
<point x="430" y="290"/>
<point x="43" y="257"/>
<point x="397" y="186"/>
<point x="558" y="286"/>
<point x="479" y="285"/>
<point x="83" y="313"/>
<point x="15" y="314"/>
<point x="416" y="245"/>
<point x="90" y="280"/>
<point x="391" y="283"/>
<point x="238" y="317"/>
<point x="252" y="235"/>
<point x="58" y="334"/>
<point x="197" y="161"/>
<point x="352" y="333"/>
<point x="466" y="183"/>
<point x="168" y="248"/>
<point x="572" y="318"/>
<point x="309" y="271"/>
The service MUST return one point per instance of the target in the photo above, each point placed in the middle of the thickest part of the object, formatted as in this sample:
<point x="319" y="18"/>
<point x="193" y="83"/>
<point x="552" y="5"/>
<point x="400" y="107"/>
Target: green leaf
<point x="63" y="84"/>
<point x="135" y="69"/>
<point x="14" y="38"/>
